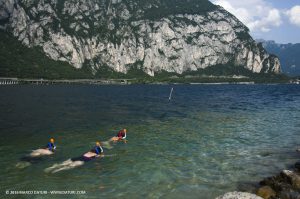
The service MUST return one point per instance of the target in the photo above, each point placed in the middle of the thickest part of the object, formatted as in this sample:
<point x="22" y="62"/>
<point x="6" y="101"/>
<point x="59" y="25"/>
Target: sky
<point x="277" y="20"/>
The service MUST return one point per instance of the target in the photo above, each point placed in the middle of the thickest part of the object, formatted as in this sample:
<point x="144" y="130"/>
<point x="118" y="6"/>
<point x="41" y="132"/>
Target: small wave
<point x="107" y="145"/>
<point x="31" y="159"/>
<point x="66" y="165"/>
<point x="22" y="165"/>
<point x="111" y="155"/>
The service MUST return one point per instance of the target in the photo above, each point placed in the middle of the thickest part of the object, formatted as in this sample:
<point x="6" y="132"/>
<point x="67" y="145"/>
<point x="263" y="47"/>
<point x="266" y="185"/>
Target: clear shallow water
<point x="208" y="140"/>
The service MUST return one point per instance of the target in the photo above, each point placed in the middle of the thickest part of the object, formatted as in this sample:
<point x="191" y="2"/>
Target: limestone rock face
<point x="154" y="35"/>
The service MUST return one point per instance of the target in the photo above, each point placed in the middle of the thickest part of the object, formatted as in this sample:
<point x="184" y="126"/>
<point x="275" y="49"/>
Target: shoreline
<point x="283" y="185"/>
<point x="15" y="81"/>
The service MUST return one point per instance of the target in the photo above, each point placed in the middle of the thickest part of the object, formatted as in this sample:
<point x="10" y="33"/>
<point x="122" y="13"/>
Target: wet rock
<point x="268" y="181"/>
<point x="297" y="165"/>
<point x="266" y="192"/>
<point x="289" y="195"/>
<point x="239" y="195"/>
<point x="277" y="183"/>
<point x="293" y="177"/>
<point x="285" y="185"/>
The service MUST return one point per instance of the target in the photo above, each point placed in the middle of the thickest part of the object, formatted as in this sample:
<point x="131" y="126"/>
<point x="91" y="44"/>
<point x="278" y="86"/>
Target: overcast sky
<point x="277" y="20"/>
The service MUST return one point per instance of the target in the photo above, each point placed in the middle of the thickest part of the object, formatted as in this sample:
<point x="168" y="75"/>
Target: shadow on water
<point x="32" y="160"/>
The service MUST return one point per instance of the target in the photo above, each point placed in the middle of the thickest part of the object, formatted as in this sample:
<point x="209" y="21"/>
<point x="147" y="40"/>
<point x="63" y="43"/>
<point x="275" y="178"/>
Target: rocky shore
<point x="285" y="185"/>
<point x="239" y="195"/>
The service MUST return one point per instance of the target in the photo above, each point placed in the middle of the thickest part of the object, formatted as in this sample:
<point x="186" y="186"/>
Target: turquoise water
<point x="208" y="140"/>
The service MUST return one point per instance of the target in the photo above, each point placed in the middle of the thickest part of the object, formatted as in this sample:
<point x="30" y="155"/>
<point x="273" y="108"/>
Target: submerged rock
<point x="266" y="192"/>
<point x="239" y="195"/>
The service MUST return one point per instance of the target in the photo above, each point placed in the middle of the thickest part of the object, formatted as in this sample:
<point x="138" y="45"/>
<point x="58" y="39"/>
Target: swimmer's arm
<point x="100" y="155"/>
<point x="102" y="151"/>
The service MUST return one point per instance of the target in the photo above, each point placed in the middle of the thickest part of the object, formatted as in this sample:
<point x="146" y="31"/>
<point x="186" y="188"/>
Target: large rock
<point x="293" y="177"/>
<point x="239" y="195"/>
<point x="154" y="35"/>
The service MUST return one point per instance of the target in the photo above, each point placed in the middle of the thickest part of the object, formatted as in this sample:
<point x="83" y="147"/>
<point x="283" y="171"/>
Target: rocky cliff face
<point x="288" y="55"/>
<point x="152" y="35"/>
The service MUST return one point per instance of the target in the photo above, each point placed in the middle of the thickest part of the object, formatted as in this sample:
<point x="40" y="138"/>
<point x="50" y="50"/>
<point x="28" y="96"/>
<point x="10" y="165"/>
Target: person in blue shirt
<point x="97" y="149"/>
<point x="51" y="146"/>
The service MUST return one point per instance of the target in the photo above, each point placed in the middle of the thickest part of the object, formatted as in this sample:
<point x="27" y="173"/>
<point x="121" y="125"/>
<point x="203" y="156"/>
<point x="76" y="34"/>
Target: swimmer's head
<point x="125" y="130"/>
<point x="97" y="143"/>
<point x="52" y="140"/>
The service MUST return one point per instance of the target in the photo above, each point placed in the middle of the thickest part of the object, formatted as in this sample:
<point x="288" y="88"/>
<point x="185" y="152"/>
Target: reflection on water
<point x="209" y="139"/>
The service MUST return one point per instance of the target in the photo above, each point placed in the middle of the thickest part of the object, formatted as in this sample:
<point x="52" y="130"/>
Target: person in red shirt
<point x="121" y="136"/>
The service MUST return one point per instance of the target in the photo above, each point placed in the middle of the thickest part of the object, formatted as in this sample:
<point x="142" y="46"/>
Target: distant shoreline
<point x="14" y="81"/>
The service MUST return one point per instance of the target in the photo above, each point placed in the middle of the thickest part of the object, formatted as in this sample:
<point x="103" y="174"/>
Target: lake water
<point x="208" y="140"/>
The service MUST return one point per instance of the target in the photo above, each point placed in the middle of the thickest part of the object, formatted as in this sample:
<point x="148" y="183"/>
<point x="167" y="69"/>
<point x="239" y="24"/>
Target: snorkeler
<point x="37" y="154"/>
<point x="121" y="136"/>
<point x="96" y="151"/>
<point x="51" y="146"/>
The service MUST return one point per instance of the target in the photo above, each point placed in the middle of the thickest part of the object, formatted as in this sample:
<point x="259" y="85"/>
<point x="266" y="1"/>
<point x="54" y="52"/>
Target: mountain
<point x="288" y="55"/>
<point x="152" y="36"/>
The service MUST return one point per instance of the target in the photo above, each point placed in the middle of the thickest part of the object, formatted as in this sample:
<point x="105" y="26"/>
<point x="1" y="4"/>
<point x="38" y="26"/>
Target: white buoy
<point x="171" y="93"/>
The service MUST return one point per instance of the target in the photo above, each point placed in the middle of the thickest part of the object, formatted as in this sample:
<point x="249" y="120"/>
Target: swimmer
<point x="51" y="146"/>
<point x="96" y="151"/>
<point x="48" y="150"/>
<point x="121" y="136"/>
<point x="37" y="155"/>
